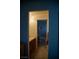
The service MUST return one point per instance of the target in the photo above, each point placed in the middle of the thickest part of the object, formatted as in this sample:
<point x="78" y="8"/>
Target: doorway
<point x="38" y="35"/>
<point x="41" y="32"/>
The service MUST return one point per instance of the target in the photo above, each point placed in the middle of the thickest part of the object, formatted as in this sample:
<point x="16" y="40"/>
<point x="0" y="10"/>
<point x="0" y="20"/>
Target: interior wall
<point x="53" y="36"/>
<point x="32" y="26"/>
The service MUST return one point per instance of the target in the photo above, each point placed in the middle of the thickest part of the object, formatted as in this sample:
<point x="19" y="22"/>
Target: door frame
<point x="36" y="36"/>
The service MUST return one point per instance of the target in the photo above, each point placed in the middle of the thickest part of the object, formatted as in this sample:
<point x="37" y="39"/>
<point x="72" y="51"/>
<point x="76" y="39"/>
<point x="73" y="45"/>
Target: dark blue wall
<point x="53" y="37"/>
<point x="41" y="29"/>
<point x="41" y="25"/>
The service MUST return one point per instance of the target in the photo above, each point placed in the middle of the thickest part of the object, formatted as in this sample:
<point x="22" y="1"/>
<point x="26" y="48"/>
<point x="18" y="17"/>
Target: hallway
<point x="40" y="53"/>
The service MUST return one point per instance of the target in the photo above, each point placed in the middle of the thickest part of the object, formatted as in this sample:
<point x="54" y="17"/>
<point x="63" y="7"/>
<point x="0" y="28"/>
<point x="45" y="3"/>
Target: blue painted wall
<point x="41" y="29"/>
<point x="53" y="37"/>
